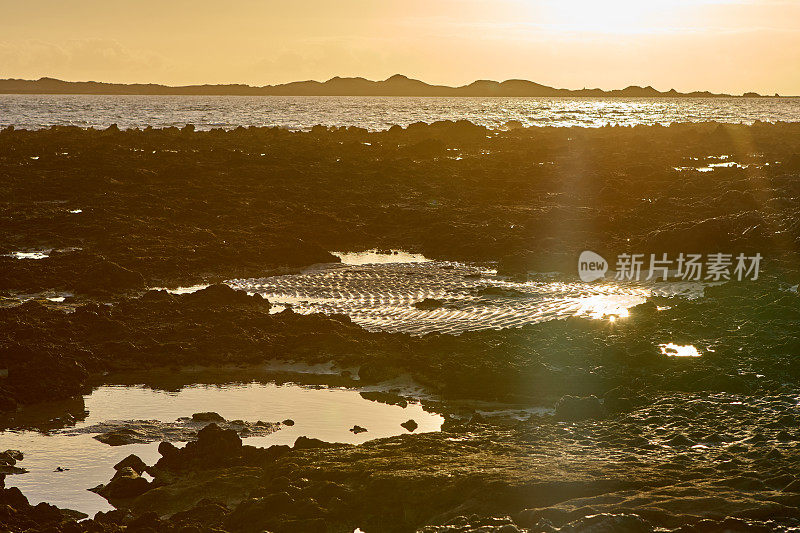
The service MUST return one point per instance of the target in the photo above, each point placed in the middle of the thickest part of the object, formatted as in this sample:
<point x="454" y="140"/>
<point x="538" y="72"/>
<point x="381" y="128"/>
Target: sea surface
<point x="378" y="113"/>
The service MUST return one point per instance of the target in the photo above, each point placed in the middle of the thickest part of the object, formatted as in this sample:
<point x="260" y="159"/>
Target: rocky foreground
<point x="174" y="207"/>
<point x="638" y="441"/>
<point x="689" y="462"/>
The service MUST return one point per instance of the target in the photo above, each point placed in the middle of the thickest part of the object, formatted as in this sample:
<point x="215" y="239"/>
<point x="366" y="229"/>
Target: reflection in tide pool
<point x="322" y="413"/>
<point x="458" y="297"/>
<point x="675" y="350"/>
<point x="377" y="257"/>
<point x="42" y="254"/>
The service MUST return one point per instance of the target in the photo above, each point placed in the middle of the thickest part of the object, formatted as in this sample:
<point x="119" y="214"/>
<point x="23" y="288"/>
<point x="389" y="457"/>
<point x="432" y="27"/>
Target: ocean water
<point x="377" y="113"/>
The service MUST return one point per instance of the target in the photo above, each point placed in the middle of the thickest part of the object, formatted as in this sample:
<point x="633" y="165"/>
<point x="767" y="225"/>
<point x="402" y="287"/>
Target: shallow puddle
<point x="37" y="254"/>
<point x="385" y="296"/>
<point x="674" y="350"/>
<point x="373" y="257"/>
<point x="323" y="413"/>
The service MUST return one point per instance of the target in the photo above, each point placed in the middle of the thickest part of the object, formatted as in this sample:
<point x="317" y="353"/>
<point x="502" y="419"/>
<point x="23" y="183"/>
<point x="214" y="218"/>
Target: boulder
<point x="410" y="425"/>
<point x="306" y="443"/>
<point x="208" y="417"/>
<point x="132" y="461"/>
<point x="126" y="483"/>
<point x="10" y="457"/>
<point x="214" y="441"/>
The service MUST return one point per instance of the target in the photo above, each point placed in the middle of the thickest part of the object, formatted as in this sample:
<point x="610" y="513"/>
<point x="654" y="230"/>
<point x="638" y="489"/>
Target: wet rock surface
<point x="621" y="473"/>
<point x="122" y="432"/>
<point x="166" y="207"/>
<point x="640" y="440"/>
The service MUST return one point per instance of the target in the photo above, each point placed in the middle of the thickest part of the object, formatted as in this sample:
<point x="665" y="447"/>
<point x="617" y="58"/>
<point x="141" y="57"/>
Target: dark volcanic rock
<point x="208" y="417"/>
<point x="573" y="408"/>
<point x="10" y="457"/>
<point x="429" y="304"/>
<point x="132" y="461"/>
<point x="410" y="425"/>
<point x="126" y="483"/>
<point x="221" y="294"/>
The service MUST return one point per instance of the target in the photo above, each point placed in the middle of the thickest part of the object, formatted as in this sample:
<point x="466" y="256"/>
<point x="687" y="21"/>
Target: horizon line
<point x="307" y="88"/>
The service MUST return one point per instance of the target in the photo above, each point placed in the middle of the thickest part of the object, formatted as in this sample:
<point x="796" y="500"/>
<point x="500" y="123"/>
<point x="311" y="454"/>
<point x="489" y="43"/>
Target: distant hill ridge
<point x="397" y="85"/>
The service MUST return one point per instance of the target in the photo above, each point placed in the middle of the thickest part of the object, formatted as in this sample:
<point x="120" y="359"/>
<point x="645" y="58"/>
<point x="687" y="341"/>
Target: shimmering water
<point x="377" y="113"/>
<point x="382" y="292"/>
<point x="324" y="413"/>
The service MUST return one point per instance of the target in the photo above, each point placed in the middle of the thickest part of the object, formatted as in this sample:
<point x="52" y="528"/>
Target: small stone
<point x="410" y="425"/>
<point x="429" y="304"/>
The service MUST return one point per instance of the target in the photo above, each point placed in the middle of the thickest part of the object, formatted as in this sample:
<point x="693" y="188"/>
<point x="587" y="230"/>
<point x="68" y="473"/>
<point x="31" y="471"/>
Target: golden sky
<point x="718" y="45"/>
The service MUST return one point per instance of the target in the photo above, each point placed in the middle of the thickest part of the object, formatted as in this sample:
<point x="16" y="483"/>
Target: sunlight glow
<point x="616" y="16"/>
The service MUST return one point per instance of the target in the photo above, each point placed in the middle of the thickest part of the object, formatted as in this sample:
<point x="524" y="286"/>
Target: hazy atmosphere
<point x="717" y="45"/>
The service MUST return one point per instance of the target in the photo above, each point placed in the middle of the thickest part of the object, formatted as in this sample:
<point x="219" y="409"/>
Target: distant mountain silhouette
<point x="397" y="85"/>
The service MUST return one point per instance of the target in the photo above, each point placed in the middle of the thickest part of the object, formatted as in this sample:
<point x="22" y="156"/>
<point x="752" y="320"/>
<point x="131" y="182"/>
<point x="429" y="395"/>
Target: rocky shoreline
<point x="119" y="211"/>
<point x="638" y="439"/>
